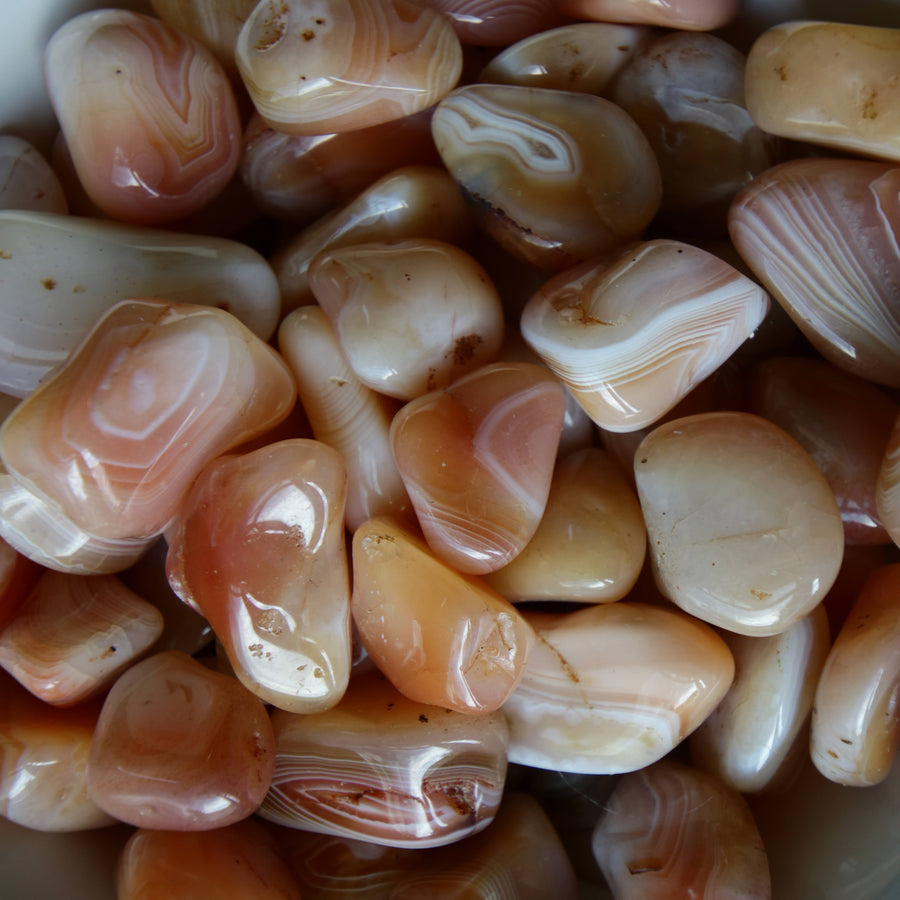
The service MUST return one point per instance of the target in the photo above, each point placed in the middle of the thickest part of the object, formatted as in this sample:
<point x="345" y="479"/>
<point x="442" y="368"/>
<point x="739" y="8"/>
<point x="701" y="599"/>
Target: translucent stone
<point x="887" y="488"/>
<point x="633" y="333"/>
<point x="18" y="575"/>
<point x="853" y="109"/>
<point x="488" y="23"/>
<point x="686" y="92"/>
<point x="301" y="177"/>
<point x="671" y="831"/>
<point x="59" y="274"/>
<point x="98" y="459"/>
<point x="843" y="423"/>
<point x="148" y="115"/>
<point x="441" y="637"/>
<point x="43" y="762"/>
<point x="688" y="15"/>
<point x="744" y="530"/>
<point x="584" y="57"/>
<point x="180" y="747"/>
<point x="258" y="546"/>
<point x="379" y="767"/>
<point x="555" y="177"/>
<point x="411" y="316"/>
<point x="855" y="728"/>
<point x="26" y="179"/>
<point x="591" y="541"/>
<point x="412" y="202"/>
<point x="615" y="687"/>
<point x="749" y="741"/>
<point x="346" y="415"/>
<point x="74" y="634"/>
<point x="238" y="862"/>
<point x="338" y="65"/>
<point x="477" y="460"/>
<point x="821" y="235"/>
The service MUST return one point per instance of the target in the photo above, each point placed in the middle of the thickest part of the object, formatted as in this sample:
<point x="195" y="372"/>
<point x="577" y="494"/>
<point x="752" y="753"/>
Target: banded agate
<point x="180" y="747"/>
<point x="74" y="635"/>
<point x="98" y="459"/>
<point x="854" y="109"/>
<point x="59" y="274"/>
<point x="555" y="177"/>
<point x="855" y="728"/>
<point x="821" y="235"/>
<point x="887" y="488"/>
<point x="43" y="762"/>
<point x="584" y="57"/>
<point x="743" y="528"/>
<point x="26" y="179"/>
<point x="489" y="23"/>
<point x="411" y="202"/>
<point x="614" y="687"/>
<point x="18" y="575"/>
<point x="477" y="460"/>
<point x="338" y="65"/>
<point x="441" y="637"/>
<point x="237" y="862"/>
<point x="687" y="15"/>
<point x="751" y="740"/>
<point x="671" y="831"/>
<point x="148" y="115"/>
<point x="591" y="541"/>
<point x="633" y="333"/>
<point x="411" y="316"/>
<point x="346" y="415"/>
<point x="380" y="767"/>
<point x="258" y="547"/>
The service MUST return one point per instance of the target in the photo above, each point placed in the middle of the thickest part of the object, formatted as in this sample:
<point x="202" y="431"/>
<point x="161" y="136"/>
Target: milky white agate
<point x="631" y="334"/>
<point x="671" y="831"/>
<point x="855" y="728"/>
<point x="887" y="488"/>
<point x="147" y="112"/>
<point x="821" y="235"/>
<point x="346" y="415"/>
<point x="74" y="634"/>
<point x="583" y="57"/>
<point x="317" y="66"/>
<point x="615" y="687"/>
<point x="854" y="109"/>
<point x="411" y="316"/>
<point x="749" y="740"/>
<point x="477" y="459"/>
<point x="487" y="23"/>
<point x="59" y="274"/>
<point x="258" y="547"/>
<point x="26" y="179"/>
<point x="553" y="176"/>
<point x="688" y="15"/>
<point x="744" y="531"/>
<point x="98" y="459"/>
<point x="410" y="202"/>
<point x="380" y="767"/>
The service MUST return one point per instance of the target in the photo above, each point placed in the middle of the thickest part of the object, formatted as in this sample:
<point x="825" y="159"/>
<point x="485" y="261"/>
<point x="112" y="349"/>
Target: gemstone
<point x="688" y="15"/>
<point x="26" y="179"/>
<point x="887" y="488"/>
<point x="488" y="23"/>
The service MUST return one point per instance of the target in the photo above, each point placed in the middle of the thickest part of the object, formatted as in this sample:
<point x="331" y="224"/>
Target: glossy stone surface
<point x="591" y="540"/>
<point x="26" y="179"/>
<point x="411" y="202"/>
<point x="440" y="636"/>
<point x="258" y="547"/>
<point x="148" y="115"/>
<point x="887" y="488"/>
<point x="854" y="109"/>
<point x="633" y="333"/>
<point x="855" y="728"/>
<point x="180" y="747"/>
<point x="821" y="236"/>
<point x="59" y="274"/>
<point x="477" y="459"/>
<point x="74" y="634"/>
<point x="615" y="687"/>
<point x="411" y="316"/>
<point x="749" y="741"/>
<point x="346" y="415"/>
<point x="379" y="767"/>
<point x="18" y="575"/>
<point x="744" y="530"/>
<point x="338" y="65"/>
<point x="96" y="460"/>
<point x="487" y="23"/>
<point x="555" y="177"/>
<point x="688" y="15"/>
<point x="671" y="831"/>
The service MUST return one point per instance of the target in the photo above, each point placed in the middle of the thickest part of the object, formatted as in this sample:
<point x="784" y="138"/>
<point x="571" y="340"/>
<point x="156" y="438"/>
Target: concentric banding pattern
<point x="497" y="22"/>
<point x="888" y="488"/>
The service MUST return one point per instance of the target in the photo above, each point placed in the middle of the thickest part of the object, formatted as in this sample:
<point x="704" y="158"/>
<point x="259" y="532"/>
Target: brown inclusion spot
<point x="423" y="719"/>
<point x="465" y="347"/>
<point x="273" y="28"/>
<point x="869" y="110"/>
<point x="781" y="72"/>
<point x="49" y="283"/>
<point x="307" y="35"/>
